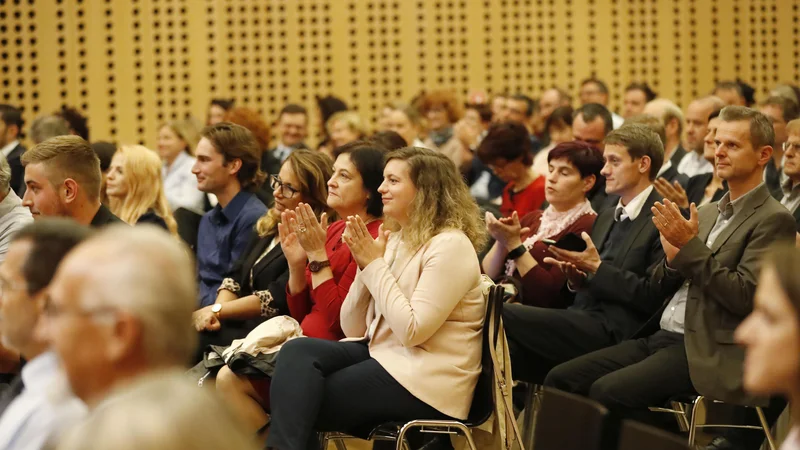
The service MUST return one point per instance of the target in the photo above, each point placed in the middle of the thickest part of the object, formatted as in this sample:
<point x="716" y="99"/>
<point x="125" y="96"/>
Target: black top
<point x="17" y="171"/>
<point x="696" y="188"/>
<point x="677" y="156"/>
<point x="151" y="218"/>
<point x="104" y="217"/>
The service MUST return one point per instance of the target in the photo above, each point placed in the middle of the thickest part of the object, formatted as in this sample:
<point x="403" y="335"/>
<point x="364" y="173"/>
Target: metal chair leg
<point x="340" y="445"/>
<point x="529" y="414"/>
<point x="767" y="431"/>
<point x="700" y="400"/>
<point x="401" y="436"/>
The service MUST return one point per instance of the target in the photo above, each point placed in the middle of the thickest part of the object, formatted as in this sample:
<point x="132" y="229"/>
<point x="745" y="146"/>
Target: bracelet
<point x="517" y="252"/>
<point x="229" y="285"/>
<point x="266" y="300"/>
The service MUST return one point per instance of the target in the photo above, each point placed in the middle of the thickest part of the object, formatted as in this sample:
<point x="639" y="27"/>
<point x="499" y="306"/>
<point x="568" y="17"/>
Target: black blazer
<point x="621" y="293"/>
<point x="104" y="217"/>
<point x="17" y="171"/>
<point x="151" y="218"/>
<point x="677" y="156"/>
<point x="696" y="188"/>
<point x="672" y="175"/>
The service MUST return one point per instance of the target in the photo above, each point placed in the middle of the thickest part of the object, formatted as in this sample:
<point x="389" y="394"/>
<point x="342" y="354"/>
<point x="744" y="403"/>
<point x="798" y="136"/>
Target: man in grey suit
<point x="711" y="264"/>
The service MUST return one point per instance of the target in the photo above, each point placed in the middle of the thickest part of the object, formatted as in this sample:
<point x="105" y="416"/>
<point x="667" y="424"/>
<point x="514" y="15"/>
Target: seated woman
<point x="321" y="268"/>
<point x="256" y="287"/>
<point x="135" y="190"/>
<point x="518" y="252"/>
<point x="176" y="144"/>
<point x="442" y="110"/>
<point x="345" y="127"/>
<point x="415" y="312"/>
<point x="406" y="121"/>
<point x="558" y="129"/>
<point x="506" y="150"/>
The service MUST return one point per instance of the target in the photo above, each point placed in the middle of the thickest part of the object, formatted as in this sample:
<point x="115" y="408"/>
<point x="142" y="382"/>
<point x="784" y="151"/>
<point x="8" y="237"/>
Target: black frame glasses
<point x="286" y="190"/>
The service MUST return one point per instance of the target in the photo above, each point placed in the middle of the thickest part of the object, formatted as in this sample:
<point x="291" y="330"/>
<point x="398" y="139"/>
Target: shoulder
<point x="150" y="217"/>
<point x="777" y="213"/>
<point x="336" y="229"/>
<point x="585" y="221"/>
<point x="533" y="217"/>
<point x="451" y="240"/>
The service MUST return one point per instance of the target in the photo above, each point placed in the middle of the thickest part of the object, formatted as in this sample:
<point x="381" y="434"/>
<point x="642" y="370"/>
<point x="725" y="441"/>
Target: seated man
<point x="13" y="216"/>
<point x="120" y="307"/>
<point x="790" y="189"/>
<point x="228" y="159"/>
<point x="712" y="262"/>
<point x="37" y="407"/>
<point x="63" y="179"/>
<point x="615" y="296"/>
<point x="668" y="173"/>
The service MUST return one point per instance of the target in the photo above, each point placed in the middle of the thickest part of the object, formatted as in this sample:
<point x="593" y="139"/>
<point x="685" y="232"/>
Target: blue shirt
<point x="221" y="240"/>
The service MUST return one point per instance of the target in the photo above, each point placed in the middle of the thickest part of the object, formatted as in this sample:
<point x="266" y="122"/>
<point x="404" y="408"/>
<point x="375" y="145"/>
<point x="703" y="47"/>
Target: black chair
<point x="482" y="402"/>
<point x="571" y="422"/>
<point x="188" y="226"/>
<point x="637" y="436"/>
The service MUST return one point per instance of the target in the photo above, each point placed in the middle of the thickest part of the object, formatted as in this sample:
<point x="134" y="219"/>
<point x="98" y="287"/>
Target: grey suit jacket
<point x="723" y="283"/>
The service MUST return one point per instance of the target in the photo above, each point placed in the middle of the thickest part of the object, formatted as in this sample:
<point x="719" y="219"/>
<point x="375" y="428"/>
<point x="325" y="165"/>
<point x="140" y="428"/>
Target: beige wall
<point x="131" y="64"/>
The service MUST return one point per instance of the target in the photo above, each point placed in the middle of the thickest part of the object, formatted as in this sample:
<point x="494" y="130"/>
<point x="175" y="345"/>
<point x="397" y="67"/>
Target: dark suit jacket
<point x="104" y="217"/>
<point x="696" y="188"/>
<point x="677" y="156"/>
<point x="723" y="283"/>
<point x="150" y="217"/>
<point x="673" y="175"/>
<point x="621" y="293"/>
<point x="17" y="171"/>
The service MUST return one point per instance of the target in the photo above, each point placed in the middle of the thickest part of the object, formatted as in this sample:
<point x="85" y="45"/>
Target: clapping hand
<point x="673" y="192"/>
<point x="587" y="261"/>
<point x="363" y="247"/>
<point x="311" y="233"/>
<point x="674" y="229"/>
<point x="506" y="230"/>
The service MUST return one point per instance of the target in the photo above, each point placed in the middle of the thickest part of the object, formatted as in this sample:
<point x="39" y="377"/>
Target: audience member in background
<point x="46" y="127"/>
<point x="176" y="143"/>
<point x="228" y="160"/>
<point x="591" y="123"/>
<point x="255" y="289"/>
<point x="38" y="405"/>
<point x="788" y="91"/>
<point x="780" y="111"/>
<point x="499" y="107"/>
<point x="345" y="127"/>
<point x="120" y="307"/>
<point x="710" y="270"/>
<point x="558" y="129"/>
<point x="383" y="118"/>
<point x="292" y="126"/>
<point x="442" y="110"/>
<point x="140" y="418"/>
<point x="78" y="123"/>
<point x="517" y="256"/>
<point x="416" y="302"/>
<point x="551" y="100"/>
<point x="703" y="188"/>
<point x="253" y="121"/>
<point x="406" y="121"/>
<point x="13" y="215"/>
<point x="672" y="118"/>
<point x="321" y="267"/>
<point x="594" y="90"/>
<point x="326" y="107"/>
<point x="506" y="150"/>
<point x="11" y="124"/>
<point x="667" y="173"/>
<point x="105" y="151"/>
<point x="388" y="140"/>
<point x="637" y="95"/>
<point x="771" y="335"/>
<point x="63" y="179"/>
<point x="467" y="134"/>
<point x="737" y="93"/>
<point x="696" y="128"/>
<point x="521" y="108"/>
<point x="135" y="190"/>
<point x="790" y="188"/>
<point x="615" y="296"/>
<point x="217" y="110"/>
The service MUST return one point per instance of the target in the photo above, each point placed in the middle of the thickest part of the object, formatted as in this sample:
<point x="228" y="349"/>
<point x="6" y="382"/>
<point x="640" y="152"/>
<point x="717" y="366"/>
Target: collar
<point x="667" y="165"/>
<point x="232" y="210"/>
<point x="634" y="207"/>
<point x="789" y="187"/>
<point x="38" y="372"/>
<point x="9" y="148"/>
<point x="9" y="203"/>
<point x="728" y="208"/>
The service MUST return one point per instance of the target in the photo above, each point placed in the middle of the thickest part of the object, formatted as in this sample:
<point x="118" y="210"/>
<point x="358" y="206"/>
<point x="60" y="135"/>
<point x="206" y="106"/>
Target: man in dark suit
<point x="63" y="179"/>
<point x="10" y="130"/>
<point x="672" y="118"/>
<point x="591" y="123"/>
<point x="790" y="189"/>
<point x="712" y="262"/>
<point x="780" y="111"/>
<point x="614" y="293"/>
<point x="292" y="126"/>
<point x="668" y="172"/>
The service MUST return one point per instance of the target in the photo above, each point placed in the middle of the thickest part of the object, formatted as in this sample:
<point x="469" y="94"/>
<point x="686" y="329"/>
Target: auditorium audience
<point x="499" y="107"/>
<point x="522" y="109"/>
<point x="790" y="188"/>
<point x="506" y="150"/>
<point x="667" y="173"/>
<point x="77" y="122"/>
<point x="252" y="120"/>
<point x="614" y="295"/>
<point x="63" y="179"/>
<point x="177" y="141"/>
<point x="737" y="93"/>
<point x="636" y="97"/>
<point x="37" y="407"/>
<point x="321" y="267"/>
<point x="591" y="123"/>
<point x="442" y="110"/>
<point x="388" y="140"/>
<point x="672" y="118"/>
<point x="406" y="121"/>
<point x="48" y="126"/>
<point x="517" y="256"/>
<point x="255" y="288"/>
<point x="551" y="100"/>
<point x="467" y="135"/>
<point x="292" y="126"/>
<point x="217" y="109"/>
<point x="710" y="270"/>
<point x="780" y="111"/>
<point x="228" y="160"/>
<point x="13" y="215"/>
<point x="11" y="124"/>
<point x="345" y="127"/>
<point x="120" y="307"/>
<point x="135" y="190"/>
<point x="557" y="129"/>
<point x="594" y="90"/>
<point x="696" y="128"/>
<point x="424" y="280"/>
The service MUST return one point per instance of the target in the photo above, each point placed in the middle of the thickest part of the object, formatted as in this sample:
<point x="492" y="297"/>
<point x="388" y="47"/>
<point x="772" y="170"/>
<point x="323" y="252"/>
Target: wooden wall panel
<point x="134" y="64"/>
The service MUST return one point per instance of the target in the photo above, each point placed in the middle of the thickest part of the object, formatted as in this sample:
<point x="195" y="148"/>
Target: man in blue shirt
<point x="228" y="161"/>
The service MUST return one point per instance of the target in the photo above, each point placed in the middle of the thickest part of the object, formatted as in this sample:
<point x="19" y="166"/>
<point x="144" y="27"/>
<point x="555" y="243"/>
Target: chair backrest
<point x="483" y="401"/>
<point x="188" y="226"/>
<point x="570" y="422"/>
<point x="635" y="436"/>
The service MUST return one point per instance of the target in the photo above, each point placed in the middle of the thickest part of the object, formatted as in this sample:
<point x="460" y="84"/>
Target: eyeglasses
<point x="795" y="146"/>
<point x="286" y="190"/>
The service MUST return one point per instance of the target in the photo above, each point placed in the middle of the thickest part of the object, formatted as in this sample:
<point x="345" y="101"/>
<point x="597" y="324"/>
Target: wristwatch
<point x="316" y="266"/>
<point x="216" y="308"/>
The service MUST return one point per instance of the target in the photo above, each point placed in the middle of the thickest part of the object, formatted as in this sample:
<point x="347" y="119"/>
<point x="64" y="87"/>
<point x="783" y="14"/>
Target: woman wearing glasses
<point x="321" y="266"/>
<point x="255" y="290"/>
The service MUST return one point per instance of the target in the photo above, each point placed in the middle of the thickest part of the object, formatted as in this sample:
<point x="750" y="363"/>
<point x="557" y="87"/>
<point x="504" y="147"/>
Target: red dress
<point x="525" y="201"/>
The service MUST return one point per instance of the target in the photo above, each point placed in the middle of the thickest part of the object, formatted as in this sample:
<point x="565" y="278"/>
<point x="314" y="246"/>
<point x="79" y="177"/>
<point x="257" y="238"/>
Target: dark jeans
<point x="321" y="385"/>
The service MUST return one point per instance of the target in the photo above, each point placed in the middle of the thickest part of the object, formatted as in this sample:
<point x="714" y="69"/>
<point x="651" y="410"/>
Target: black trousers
<point x="541" y="338"/>
<point x="322" y="385"/>
<point x="634" y="374"/>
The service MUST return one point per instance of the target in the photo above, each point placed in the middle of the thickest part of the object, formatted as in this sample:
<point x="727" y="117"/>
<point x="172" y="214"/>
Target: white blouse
<point x="180" y="185"/>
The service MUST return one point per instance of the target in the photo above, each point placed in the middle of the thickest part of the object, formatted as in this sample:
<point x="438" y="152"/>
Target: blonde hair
<point x="312" y="170"/>
<point x="188" y="130"/>
<point x="145" y="188"/>
<point x="351" y="119"/>
<point x="165" y="425"/>
<point x="442" y="200"/>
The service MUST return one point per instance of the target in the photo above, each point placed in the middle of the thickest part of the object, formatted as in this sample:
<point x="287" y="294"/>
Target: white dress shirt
<point x="792" y="441"/>
<point x="180" y="185"/>
<point x="791" y="195"/>
<point x="616" y="120"/>
<point x="694" y="164"/>
<point x="13" y="216"/>
<point x="634" y="207"/>
<point x="9" y="147"/>
<point x="43" y="410"/>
